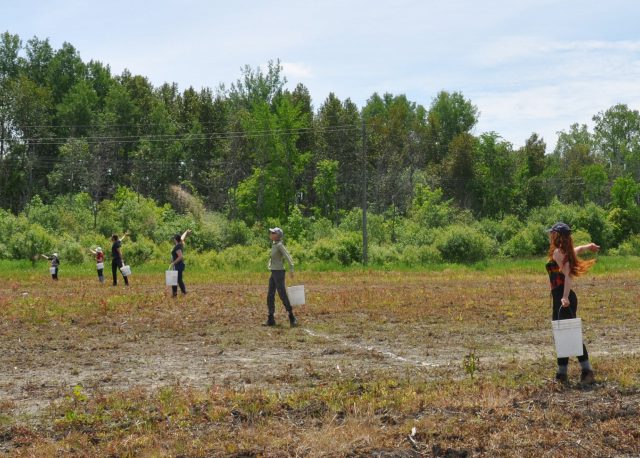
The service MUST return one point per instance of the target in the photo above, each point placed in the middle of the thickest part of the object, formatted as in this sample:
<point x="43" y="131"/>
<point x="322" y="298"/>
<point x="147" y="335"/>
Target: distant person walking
<point x="55" y="263"/>
<point x="177" y="261"/>
<point x="277" y="281"/>
<point x="99" y="262"/>
<point x="562" y="266"/>
<point x="117" y="260"/>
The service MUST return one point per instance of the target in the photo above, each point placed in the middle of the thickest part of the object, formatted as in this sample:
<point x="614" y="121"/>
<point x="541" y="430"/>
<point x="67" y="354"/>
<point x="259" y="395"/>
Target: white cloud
<point x="296" y="70"/>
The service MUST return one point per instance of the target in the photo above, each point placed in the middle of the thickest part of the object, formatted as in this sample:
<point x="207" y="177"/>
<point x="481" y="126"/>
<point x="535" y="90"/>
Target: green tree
<point x="617" y="140"/>
<point x="450" y="115"/>
<point x="325" y="185"/>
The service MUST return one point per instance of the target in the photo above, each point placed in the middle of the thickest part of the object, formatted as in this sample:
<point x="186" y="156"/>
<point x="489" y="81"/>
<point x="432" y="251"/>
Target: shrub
<point x="245" y="257"/>
<point x="140" y="251"/>
<point x="462" y="244"/>
<point x="320" y="228"/>
<point x="420" y="255"/>
<point x="383" y="254"/>
<point x="530" y="241"/>
<point x="297" y="225"/>
<point x="377" y="229"/>
<point x="630" y="247"/>
<point x="501" y="231"/>
<point x="236" y="233"/>
<point x="71" y="251"/>
<point x="349" y="248"/>
<point x="410" y="233"/>
<point x="31" y="243"/>
<point x="324" y="250"/>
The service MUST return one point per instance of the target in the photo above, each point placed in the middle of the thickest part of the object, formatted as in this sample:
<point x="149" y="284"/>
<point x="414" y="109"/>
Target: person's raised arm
<point x="92" y="251"/>
<point x="184" y="236"/>
<point x="589" y="247"/>
<point x="45" y="256"/>
<point x="124" y="235"/>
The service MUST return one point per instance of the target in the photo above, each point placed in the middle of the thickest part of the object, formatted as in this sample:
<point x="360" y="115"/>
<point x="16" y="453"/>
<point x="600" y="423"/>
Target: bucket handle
<point x="560" y="309"/>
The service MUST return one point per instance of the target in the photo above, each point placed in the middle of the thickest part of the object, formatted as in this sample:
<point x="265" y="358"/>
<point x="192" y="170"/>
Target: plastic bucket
<point x="52" y="270"/>
<point x="171" y="277"/>
<point x="296" y="294"/>
<point x="126" y="270"/>
<point x="99" y="265"/>
<point x="567" y="335"/>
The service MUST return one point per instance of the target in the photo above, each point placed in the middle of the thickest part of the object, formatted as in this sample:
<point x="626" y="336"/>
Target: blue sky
<point x="529" y="66"/>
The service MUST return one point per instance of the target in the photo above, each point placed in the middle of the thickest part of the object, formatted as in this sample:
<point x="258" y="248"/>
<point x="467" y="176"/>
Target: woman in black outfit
<point x="177" y="261"/>
<point x="116" y="258"/>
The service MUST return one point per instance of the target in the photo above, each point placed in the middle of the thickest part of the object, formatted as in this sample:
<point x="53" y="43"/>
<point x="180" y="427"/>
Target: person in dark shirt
<point x="177" y="261"/>
<point x="55" y="263"/>
<point x="117" y="260"/>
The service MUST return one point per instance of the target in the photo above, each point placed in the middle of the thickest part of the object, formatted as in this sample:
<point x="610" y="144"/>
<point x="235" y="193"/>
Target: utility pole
<point x="365" y="242"/>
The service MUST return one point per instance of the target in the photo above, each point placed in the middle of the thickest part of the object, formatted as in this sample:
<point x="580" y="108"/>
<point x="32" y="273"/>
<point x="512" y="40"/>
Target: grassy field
<point x="450" y="361"/>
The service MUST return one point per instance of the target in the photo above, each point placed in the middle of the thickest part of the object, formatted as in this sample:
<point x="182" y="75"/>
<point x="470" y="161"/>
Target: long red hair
<point x="564" y="243"/>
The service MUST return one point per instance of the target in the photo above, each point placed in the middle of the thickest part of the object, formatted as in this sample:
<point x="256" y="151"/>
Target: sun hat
<point x="98" y="250"/>
<point x="276" y="230"/>
<point x="55" y="255"/>
<point x="560" y="227"/>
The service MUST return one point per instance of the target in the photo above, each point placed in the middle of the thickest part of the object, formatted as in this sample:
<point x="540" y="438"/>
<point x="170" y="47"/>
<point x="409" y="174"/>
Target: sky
<point x="528" y="65"/>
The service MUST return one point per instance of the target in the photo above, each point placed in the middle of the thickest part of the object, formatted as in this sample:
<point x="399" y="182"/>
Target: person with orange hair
<point x="562" y="266"/>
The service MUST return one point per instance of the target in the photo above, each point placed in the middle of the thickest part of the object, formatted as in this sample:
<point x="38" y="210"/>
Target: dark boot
<point x="292" y="320"/>
<point x="587" y="378"/>
<point x="271" y="321"/>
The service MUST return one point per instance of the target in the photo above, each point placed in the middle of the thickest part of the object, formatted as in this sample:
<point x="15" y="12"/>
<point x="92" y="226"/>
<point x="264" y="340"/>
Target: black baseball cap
<point x="561" y="228"/>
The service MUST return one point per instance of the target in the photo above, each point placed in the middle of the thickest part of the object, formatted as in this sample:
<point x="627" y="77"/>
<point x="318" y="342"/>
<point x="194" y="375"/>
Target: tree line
<point x="256" y="150"/>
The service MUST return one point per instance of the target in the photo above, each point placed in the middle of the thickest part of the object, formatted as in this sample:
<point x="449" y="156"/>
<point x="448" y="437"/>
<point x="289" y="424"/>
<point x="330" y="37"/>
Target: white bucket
<point x="296" y="294"/>
<point x="171" y="277"/>
<point x="52" y="270"/>
<point x="567" y="335"/>
<point x="99" y="265"/>
<point x="126" y="270"/>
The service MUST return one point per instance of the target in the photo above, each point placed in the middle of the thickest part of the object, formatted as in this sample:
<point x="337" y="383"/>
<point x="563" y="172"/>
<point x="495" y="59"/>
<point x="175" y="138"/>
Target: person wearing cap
<point x="99" y="262"/>
<point x="177" y="261"/>
<point x="562" y="266"/>
<point x="116" y="258"/>
<point x="277" y="282"/>
<point x="55" y="263"/>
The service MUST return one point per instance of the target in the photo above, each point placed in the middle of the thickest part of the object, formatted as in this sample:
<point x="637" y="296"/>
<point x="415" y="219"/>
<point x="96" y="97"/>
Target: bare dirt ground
<point x="420" y="326"/>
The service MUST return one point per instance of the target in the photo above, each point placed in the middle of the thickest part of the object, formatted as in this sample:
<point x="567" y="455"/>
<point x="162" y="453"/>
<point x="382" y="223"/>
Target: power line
<point x="128" y="139"/>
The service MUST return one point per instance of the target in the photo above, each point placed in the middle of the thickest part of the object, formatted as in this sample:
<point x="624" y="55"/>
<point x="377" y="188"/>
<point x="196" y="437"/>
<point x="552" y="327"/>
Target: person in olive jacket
<point x="276" y="282"/>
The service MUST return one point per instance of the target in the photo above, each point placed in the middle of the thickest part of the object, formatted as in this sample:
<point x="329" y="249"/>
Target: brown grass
<point x="91" y="371"/>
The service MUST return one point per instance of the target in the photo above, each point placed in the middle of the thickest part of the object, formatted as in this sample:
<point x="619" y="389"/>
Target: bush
<point x="531" y="241"/>
<point x="319" y="229"/>
<point x="377" y="228"/>
<point x="420" y="255"/>
<point x="630" y="247"/>
<point x="410" y="233"/>
<point x="71" y="251"/>
<point x="297" y="225"/>
<point x="349" y="248"/>
<point x="138" y="252"/>
<point x="31" y="243"/>
<point x="501" y="231"/>
<point x="383" y="254"/>
<point x="245" y="257"/>
<point x="462" y="244"/>
<point x="236" y="233"/>
<point x="324" y="250"/>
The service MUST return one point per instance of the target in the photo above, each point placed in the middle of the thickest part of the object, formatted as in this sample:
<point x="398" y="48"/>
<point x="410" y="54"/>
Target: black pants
<point x="276" y="282"/>
<point x="55" y="276"/>
<point x="101" y="275"/>
<point x="115" y="265"/>
<point x="174" y="288"/>
<point x="565" y="313"/>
